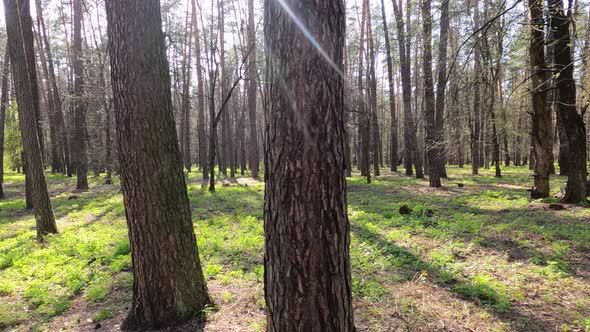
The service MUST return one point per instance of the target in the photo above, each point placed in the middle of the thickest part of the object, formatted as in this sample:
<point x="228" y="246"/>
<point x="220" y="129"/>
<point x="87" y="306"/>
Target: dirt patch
<point x="511" y="248"/>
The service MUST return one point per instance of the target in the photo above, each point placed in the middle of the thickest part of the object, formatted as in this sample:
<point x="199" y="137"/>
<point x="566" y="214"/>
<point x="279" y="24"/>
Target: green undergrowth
<point x="487" y="247"/>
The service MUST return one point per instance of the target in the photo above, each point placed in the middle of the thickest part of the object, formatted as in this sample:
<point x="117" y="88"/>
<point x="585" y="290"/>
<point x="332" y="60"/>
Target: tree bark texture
<point x="307" y="268"/>
<point x="168" y="286"/>
<point x="570" y="118"/>
<point x="22" y="59"/>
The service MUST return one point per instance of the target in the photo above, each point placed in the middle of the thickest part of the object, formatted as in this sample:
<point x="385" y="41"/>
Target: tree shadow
<point x="518" y="318"/>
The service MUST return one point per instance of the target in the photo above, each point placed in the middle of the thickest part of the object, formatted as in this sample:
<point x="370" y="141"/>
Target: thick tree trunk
<point x="22" y="58"/>
<point x="570" y="118"/>
<point x="79" y="141"/>
<point x="253" y="153"/>
<point x="307" y="272"/>
<point x="541" y="129"/>
<point x="169" y="286"/>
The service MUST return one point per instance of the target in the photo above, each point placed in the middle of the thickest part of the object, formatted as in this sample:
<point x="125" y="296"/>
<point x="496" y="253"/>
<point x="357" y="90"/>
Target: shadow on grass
<point x="477" y="292"/>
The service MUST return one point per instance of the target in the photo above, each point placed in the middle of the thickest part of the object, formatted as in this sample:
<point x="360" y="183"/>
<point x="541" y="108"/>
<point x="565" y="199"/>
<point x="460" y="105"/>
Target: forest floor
<point x="479" y="258"/>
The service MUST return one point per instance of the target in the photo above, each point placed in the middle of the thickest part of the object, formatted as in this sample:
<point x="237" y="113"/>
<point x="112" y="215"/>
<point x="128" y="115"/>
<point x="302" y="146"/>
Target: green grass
<point x="487" y="256"/>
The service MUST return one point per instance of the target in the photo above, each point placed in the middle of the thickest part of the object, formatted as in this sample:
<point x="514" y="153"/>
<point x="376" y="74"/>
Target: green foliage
<point x="103" y="314"/>
<point x="483" y="288"/>
<point x="481" y="248"/>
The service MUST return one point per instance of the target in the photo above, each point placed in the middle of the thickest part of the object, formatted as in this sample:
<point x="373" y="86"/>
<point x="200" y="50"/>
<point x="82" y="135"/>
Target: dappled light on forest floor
<point x="487" y="258"/>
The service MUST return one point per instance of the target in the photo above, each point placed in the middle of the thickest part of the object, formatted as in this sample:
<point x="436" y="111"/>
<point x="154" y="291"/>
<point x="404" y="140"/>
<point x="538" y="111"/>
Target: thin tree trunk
<point x="364" y="119"/>
<point x="372" y="94"/>
<point x="254" y="155"/>
<point x="203" y="161"/>
<point x="393" y="143"/>
<point x="476" y="128"/>
<point x="3" y="104"/>
<point x="63" y="149"/>
<point x="441" y="90"/>
<point x="409" y="133"/>
<point x="53" y="134"/>
<point x="79" y="142"/>
<point x="224" y="154"/>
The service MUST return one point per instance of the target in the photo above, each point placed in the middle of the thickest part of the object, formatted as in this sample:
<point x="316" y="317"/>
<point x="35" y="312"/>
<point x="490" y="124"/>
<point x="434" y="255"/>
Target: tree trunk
<point x="307" y="272"/>
<point x="63" y="149"/>
<point x="541" y="130"/>
<point x="186" y="101"/>
<point x="431" y="150"/>
<point x="212" y="129"/>
<point x="393" y="144"/>
<point x="563" y="157"/>
<point x="203" y="161"/>
<point x="3" y="103"/>
<point x="22" y="58"/>
<point x="364" y="130"/>
<point x="79" y="141"/>
<point x="410" y="140"/>
<point x="53" y="134"/>
<point x="571" y="120"/>
<point x="169" y="286"/>
<point x="372" y="94"/>
<point x="476" y="128"/>
<point x="224" y="153"/>
<point x="253" y="153"/>
<point x="441" y="90"/>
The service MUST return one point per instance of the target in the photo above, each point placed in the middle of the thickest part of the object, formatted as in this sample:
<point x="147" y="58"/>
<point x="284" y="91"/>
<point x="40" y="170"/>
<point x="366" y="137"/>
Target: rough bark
<point x="307" y="268"/>
<point x="541" y="130"/>
<point x="22" y="58"/>
<point x="570" y="118"/>
<point x="169" y="286"/>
